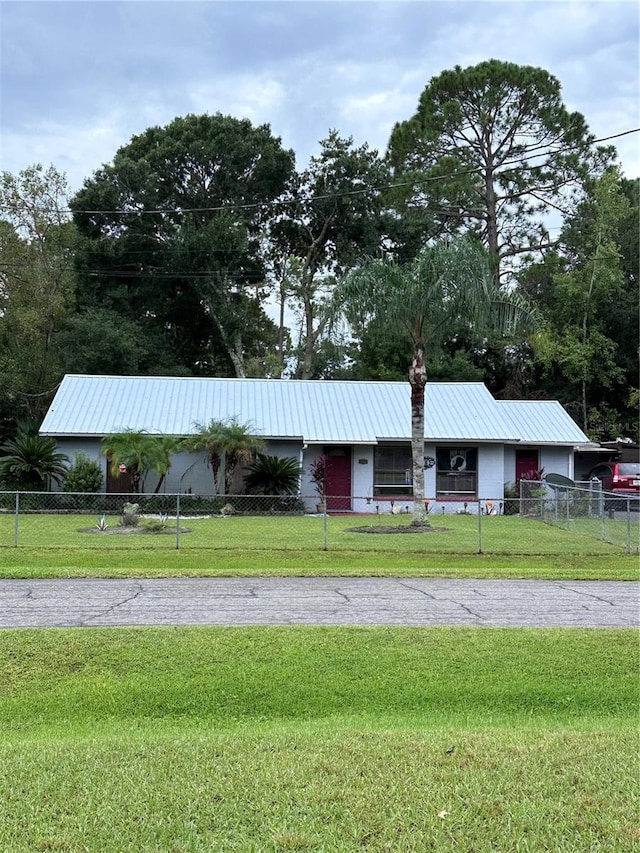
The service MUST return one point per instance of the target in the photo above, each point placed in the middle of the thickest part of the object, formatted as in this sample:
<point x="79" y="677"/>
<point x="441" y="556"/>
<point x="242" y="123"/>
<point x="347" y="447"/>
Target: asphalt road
<point x="319" y="601"/>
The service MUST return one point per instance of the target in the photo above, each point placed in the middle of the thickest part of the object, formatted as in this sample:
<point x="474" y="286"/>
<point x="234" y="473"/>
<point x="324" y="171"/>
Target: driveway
<point x="319" y="601"/>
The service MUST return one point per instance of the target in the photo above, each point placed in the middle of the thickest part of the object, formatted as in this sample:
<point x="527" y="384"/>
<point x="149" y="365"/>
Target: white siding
<point x="491" y="472"/>
<point x="557" y="460"/>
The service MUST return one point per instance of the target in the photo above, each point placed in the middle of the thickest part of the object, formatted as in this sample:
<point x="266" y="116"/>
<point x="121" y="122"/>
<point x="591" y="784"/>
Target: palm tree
<point x="31" y="462"/>
<point x="227" y="443"/>
<point x="140" y="452"/>
<point x="273" y="475"/>
<point x="446" y="289"/>
<point x="208" y="437"/>
<point x="169" y="444"/>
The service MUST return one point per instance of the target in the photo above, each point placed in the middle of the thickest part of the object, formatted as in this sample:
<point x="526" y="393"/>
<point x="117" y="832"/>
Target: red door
<point x="338" y="478"/>
<point x="526" y="462"/>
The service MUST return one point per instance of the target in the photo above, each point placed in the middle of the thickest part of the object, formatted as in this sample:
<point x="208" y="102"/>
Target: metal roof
<point x="542" y="422"/>
<point x="322" y="412"/>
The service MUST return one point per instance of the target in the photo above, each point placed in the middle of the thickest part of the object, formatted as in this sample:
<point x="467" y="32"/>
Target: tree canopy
<point x="36" y="285"/>
<point x="170" y="241"/>
<point x="491" y="149"/>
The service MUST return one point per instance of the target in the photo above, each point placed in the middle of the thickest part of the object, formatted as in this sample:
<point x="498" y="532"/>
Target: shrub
<point x="31" y="462"/>
<point x="131" y="515"/>
<point x="84" y="476"/>
<point x="511" y="502"/>
<point x="273" y="475"/>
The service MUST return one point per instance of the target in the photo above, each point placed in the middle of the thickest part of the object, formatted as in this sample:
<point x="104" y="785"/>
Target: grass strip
<point x="296" y="787"/>
<point x="318" y="739"/>
<point x="64" y="563"/>
<point x="77" y="679"/>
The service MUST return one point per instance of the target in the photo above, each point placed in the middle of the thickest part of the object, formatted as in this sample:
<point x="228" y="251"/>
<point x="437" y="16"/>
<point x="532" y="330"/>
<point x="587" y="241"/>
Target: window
<point x="392" y="470"/>
<point x="456" y="472"/>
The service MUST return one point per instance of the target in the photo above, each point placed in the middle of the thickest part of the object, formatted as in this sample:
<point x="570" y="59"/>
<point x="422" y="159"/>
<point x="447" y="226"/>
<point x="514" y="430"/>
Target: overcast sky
<point x="79" y="79"/>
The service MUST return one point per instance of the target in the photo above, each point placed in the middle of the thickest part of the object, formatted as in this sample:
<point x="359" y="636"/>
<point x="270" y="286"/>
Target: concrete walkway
<point x="319" y="601"/>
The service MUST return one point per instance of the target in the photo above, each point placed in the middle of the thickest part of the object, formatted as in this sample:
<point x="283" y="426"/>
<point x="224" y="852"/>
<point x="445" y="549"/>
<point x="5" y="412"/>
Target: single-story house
<point x="473" y="443"/>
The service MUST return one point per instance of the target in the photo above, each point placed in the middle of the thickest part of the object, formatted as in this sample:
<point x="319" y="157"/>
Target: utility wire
<point x="330" y="196"/>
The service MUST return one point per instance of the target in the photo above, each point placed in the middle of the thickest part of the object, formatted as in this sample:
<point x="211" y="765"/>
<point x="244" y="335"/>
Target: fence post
<point x="325" y="525"/>
<point x="479" y="527"/>
<point x="16" y="523"/>
<point x="628" y="525"/>
<point x="178" y="522"/>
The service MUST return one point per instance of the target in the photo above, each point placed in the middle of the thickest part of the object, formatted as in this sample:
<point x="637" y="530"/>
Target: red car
<point x="618" y="478"/>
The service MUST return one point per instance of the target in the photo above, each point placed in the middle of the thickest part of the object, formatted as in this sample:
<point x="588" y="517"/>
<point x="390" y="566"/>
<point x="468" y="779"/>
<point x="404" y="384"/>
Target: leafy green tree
<point x="31" y="462"/>
<point x="85" y="475"/>
<point x="101" y="341"/>
<point x="273" y="475"/>
<point x="36" y="284"/>
<point x="170" y="240"/>
<point x="332" y="217"/>
<point x="446" y="289"/>
<point x="492" y="149"/>
<point x="227" y="444"/>
<point x="140" y="452"/>
<point x="587" y="300"/>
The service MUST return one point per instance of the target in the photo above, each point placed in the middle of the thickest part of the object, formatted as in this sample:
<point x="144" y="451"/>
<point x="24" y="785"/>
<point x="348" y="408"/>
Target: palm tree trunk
<point x="417" y="380"/>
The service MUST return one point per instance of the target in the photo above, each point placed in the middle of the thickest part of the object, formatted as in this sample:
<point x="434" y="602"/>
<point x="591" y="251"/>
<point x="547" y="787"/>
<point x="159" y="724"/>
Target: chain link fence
<point x="542" y="520"/>
<point x="585" y="509"/>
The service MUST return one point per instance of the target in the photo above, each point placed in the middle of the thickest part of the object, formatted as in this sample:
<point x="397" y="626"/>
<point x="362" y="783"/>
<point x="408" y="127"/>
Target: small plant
<point x="155" y="525"/>
<point x="102" y="523"/>
<point x="228" y="509"/>
<point x="535" y="475"/>
<point x="319" y="475"/>
<point x="131" y="515"/>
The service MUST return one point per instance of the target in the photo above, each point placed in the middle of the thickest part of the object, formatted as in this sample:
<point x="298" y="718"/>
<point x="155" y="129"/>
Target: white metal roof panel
<point x="542" y="422"/>
<point x="314" y="411"/>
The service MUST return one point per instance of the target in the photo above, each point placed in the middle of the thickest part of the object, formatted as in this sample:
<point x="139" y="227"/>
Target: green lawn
<point x="313" y="739"/>
<point x="52" y="546"/>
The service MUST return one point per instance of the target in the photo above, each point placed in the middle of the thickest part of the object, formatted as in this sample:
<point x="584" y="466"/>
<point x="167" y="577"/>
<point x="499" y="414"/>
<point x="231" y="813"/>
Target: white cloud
<point x="244" y="96"/>
<point x="80" y="78"/>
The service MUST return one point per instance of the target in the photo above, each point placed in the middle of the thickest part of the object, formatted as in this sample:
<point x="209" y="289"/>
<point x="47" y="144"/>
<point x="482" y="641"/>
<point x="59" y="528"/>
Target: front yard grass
<point x="318" y="739"/>
<point x="52" y="546"/>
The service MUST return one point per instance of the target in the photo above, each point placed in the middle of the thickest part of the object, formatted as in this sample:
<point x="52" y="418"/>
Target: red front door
<point x="526" y="462"/>
<point x="338" y="478"/>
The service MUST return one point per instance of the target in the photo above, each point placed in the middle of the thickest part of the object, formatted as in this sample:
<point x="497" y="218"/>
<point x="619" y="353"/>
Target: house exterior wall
<point x="554" y="460"/>
<point x="509" y="464"/>
<point x="189" y="472"/>
<point x="491" y="472"/>
<point x="557" y="460"/>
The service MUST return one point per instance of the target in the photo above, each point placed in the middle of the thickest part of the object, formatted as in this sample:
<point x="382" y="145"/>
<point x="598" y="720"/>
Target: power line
<point x="275" y="203"/>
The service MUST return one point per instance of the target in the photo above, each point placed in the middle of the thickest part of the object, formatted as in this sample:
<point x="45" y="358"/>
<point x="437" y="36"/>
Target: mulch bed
<point x="141" y="531"/>
<point x="397" y="528"/>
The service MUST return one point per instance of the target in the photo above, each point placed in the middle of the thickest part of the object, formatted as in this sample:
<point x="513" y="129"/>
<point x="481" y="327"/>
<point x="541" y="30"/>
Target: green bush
<point x="84" y="476"/>
<point x="511" y="502"/>
<point x="273" y="475"/>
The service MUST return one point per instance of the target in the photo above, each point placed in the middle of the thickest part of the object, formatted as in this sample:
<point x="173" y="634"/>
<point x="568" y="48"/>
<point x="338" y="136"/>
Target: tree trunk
<point x="418" y="380"/>
<point x="492" y="224"/>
